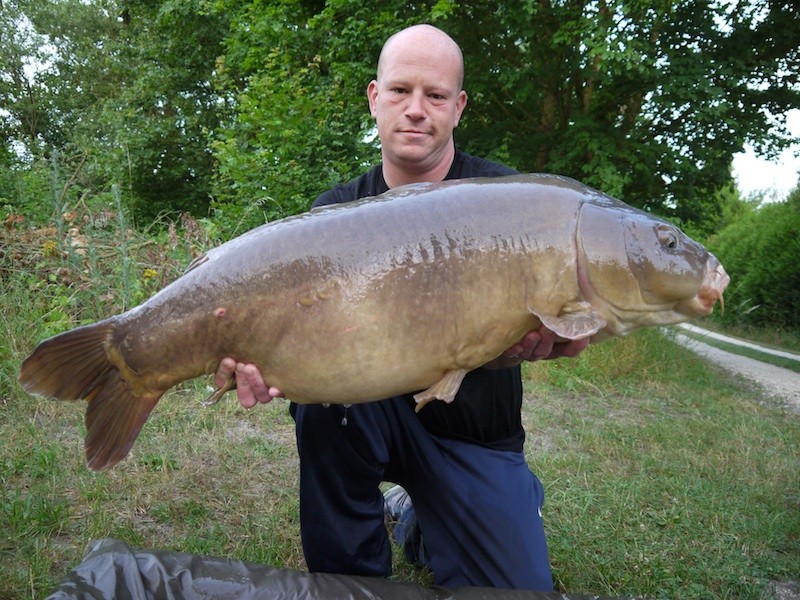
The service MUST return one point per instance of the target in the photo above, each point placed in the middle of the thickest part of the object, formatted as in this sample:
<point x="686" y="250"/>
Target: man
<point x="477" y="502"/>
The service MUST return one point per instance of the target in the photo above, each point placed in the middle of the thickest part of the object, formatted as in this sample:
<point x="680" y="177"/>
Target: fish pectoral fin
<point x="577" y="320"/>
<point x="444" y="389"/>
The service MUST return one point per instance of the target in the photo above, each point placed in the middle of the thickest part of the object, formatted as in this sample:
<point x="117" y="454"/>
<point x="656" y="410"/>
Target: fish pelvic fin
<point x="75" y="365"/>
<point x="444" y="389"/>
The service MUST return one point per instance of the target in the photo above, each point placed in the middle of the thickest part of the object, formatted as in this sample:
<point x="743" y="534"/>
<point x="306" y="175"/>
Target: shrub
<point x="761" y="252"/>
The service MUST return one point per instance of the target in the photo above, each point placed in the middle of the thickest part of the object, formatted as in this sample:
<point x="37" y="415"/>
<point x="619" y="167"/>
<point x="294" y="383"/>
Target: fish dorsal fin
<point x="197" y="262"/>
<point x="576" y="321"/>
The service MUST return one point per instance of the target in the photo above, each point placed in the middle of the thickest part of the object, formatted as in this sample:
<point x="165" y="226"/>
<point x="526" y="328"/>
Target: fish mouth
<point x="714" y="284"/>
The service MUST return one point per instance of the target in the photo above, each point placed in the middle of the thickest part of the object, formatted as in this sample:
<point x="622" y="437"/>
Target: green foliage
<point x="760" y="251"/>
<point x="725" y="207"/>
<point x="87" y="265"/>
<point x="301" y="119"/>
<point x="125" y="89"/>
<point x="27" y="112"/>
<point x="261" y="105"/>
<point x="645" y="100"/>
<point x="27" y="192"/>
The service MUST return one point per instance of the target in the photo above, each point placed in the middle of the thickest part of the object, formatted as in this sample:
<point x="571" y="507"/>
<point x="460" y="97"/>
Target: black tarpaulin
<point x="111" y="569"/>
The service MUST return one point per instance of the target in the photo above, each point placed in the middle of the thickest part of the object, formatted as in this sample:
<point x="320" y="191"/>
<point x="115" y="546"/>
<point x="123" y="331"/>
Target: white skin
<point x="416" y="101"/>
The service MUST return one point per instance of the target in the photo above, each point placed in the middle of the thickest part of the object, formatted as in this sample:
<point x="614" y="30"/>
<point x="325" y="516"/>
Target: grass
<point x="675" y="484"/>
<point x="664" y="477"/>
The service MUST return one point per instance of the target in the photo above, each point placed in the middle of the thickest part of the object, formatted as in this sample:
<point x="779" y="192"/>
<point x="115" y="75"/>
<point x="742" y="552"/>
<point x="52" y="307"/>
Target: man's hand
<point x="250" y="386"/>
<point x="537" y="345"/>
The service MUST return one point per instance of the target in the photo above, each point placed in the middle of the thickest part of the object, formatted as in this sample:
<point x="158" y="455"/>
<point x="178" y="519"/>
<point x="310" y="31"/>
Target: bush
<point x="760" y="251"/>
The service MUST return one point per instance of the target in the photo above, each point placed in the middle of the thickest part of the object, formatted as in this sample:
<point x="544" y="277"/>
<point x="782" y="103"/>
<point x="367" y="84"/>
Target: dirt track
<point x="777" y="382"/>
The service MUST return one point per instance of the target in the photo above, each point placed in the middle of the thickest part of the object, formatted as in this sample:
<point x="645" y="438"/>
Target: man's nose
<point x="415" y="109"/>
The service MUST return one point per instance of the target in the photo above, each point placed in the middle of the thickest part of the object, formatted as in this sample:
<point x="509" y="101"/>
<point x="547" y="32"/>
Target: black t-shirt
<point x="487" y="407"/>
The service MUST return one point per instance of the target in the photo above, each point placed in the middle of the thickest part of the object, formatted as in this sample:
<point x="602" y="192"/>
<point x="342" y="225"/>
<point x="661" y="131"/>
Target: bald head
<point x="432" y="41"/>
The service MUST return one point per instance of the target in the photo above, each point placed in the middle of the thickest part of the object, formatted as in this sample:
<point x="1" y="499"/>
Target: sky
<point x="776" y="178"/>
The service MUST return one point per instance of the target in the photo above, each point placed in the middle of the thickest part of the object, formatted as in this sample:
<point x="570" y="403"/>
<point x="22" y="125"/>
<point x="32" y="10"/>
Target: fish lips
<point x="713" y="287"/>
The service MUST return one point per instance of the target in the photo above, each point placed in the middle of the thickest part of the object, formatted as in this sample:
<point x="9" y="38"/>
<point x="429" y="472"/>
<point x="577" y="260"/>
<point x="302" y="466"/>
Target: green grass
<point x="663" y="477"/>
<point x="661" y="480"/>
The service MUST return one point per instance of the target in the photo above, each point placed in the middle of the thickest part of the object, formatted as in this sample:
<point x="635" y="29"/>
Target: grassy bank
<point x="663" y="477"/>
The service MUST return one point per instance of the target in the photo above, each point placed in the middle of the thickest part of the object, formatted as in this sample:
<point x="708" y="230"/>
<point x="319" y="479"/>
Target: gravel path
<point x="777" y="382"/>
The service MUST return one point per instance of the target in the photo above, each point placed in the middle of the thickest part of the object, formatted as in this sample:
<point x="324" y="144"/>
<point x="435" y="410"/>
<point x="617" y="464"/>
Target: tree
<point x="297" y="74"/>
<point x="261" y="104"/>
<point x="24" y="99"/>
<point x="645" y="100"/>
<point x="128" y="96"/>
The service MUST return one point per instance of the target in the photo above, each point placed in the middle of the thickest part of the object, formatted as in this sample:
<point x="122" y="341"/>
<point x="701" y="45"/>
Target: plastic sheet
<point x="111" y="569"/>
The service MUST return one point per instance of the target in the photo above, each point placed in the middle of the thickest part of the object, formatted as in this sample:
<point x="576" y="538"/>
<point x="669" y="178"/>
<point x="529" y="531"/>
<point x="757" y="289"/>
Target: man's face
<point x="416" y="101"/>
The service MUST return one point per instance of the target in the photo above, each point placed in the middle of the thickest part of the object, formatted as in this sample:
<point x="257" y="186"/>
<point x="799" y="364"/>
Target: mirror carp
<point x="403" y="292"/>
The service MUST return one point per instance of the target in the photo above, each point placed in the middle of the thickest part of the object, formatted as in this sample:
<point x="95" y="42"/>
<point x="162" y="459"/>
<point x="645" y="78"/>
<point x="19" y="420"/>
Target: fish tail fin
<point x="75" y="365"/>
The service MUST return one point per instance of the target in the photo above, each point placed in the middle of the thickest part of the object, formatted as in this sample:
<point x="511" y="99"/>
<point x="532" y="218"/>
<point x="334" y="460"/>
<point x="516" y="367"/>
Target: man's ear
<point x="372" y="95"/>
<point x="461" y="103"/>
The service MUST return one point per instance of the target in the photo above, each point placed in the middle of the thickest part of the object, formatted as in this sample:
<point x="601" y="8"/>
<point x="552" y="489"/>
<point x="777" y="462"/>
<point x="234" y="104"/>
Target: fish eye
<point x="668" y="237"/>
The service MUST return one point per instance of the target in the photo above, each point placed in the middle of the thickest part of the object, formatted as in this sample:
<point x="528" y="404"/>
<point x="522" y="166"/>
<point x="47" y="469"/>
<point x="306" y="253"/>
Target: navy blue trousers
<point x="479" y="509"/>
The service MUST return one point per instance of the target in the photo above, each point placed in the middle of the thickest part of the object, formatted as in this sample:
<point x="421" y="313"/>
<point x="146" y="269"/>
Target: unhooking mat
<point x="111" y="569"/>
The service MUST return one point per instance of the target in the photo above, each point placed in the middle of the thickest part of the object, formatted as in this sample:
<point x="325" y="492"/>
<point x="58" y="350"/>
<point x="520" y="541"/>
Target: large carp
<point x="403" y="292"/>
